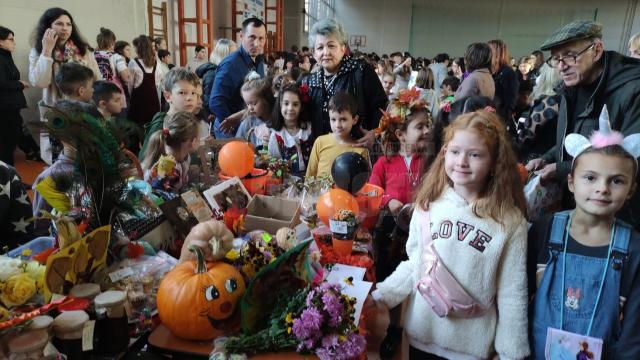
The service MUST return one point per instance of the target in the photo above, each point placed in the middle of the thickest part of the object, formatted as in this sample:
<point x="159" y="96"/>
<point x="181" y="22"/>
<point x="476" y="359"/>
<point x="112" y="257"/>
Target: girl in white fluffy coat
<point x="475" y="205"/>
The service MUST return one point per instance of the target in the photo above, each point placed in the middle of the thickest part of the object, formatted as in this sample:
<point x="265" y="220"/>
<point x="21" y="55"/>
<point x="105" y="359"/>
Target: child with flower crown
<point x="291" y="138"/>
<point x="584" y="263"/>
<point x="465" y="277"/>
<point x="406" y="135"/>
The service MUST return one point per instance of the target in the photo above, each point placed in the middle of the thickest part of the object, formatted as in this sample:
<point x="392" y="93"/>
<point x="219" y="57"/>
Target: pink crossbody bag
<point x="441" y="289"/>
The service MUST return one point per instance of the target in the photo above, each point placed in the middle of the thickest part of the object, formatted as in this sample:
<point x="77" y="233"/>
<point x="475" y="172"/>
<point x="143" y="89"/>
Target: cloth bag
<point x="541" y="199"/>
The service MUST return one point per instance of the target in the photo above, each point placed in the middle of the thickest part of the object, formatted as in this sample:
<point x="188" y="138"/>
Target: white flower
<point x="9" y="267"/>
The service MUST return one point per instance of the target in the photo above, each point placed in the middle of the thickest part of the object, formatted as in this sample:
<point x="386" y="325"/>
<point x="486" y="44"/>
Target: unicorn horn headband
<point x="575" y="144"/>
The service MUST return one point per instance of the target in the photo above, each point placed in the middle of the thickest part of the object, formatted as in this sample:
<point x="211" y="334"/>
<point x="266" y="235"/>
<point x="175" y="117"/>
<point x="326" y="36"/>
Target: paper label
<point x="50" y="350"/>
<point x="338" y="227"/>
<point x="87" y="335"/>
<point x="266" y="237"/>
<point x="120" y="274"/>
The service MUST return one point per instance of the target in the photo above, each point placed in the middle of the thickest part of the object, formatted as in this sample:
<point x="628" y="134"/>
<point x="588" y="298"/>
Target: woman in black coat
<point x="338" y="73"/>
<point x="11" y="97"/>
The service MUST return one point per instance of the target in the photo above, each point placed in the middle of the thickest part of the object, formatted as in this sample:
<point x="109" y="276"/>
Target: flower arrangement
<point x="318" y="320"/>
<point x="259" y="251"/>
<point x="20" y="281"/>
<point x="408" y="100"/>
<point x="345" y="224"/>
<point x="281" y="167"/>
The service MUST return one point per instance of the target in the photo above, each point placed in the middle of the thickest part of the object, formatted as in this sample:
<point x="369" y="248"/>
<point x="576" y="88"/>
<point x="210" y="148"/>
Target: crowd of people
<point x="443" y="136"/>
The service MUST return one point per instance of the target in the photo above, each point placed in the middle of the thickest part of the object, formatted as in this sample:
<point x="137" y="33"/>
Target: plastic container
<point x="369" y="199"/>
<point x="28" y="345"/>
<point x="255" y="182"/>
<point x="342" y="247"/>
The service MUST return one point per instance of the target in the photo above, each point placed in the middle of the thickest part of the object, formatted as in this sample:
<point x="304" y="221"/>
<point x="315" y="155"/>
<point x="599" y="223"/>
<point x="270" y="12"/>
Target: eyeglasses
<point x="568" y="60"/>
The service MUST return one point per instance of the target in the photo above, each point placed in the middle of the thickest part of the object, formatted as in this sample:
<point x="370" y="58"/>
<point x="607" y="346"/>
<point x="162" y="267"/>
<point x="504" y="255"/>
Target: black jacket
<point x="11" y="96"/>
<point x="359" y="79"/>
<point x="619" y="88"/>
<point x="206" y="72"/>
<point x="507" y="85"/>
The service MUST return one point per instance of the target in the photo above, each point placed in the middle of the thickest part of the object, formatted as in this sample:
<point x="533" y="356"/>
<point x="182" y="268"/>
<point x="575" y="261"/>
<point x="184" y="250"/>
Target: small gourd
<point x="212" y="237"/>
<point x="286" y="238"/>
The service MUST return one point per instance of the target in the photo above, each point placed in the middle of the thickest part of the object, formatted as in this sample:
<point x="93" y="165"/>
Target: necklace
<point x="412" y="179"/>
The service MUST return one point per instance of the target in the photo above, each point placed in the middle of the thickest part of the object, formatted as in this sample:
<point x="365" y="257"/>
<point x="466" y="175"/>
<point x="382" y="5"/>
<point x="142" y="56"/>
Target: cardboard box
<point x="270" y="213"/>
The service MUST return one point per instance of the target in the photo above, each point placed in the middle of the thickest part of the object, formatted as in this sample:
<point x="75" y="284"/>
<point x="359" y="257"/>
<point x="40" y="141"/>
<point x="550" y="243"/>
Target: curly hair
<point x="45" y="22"/>
<point x="503" y="193"/>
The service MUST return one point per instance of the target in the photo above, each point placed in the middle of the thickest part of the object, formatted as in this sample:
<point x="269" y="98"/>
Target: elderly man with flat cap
<point x="591" y="79"/>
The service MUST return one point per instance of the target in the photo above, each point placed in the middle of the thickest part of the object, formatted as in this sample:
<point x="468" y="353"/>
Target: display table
<point x="162" y="341"/>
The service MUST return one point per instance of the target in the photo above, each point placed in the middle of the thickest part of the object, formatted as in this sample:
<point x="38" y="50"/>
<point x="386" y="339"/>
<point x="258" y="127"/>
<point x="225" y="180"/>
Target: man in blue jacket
<point x="226" y="102"/>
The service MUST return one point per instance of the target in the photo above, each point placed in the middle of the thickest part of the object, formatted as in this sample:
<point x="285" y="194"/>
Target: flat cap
<point x="576" y="30"/>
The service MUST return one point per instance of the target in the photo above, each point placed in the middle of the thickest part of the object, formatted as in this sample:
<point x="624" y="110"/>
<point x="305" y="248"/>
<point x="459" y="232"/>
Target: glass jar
<point x="89" y="292"/>
<point x="68" y="332"/>
<point x="112" y="323"/>
<point x="28" y="345"/>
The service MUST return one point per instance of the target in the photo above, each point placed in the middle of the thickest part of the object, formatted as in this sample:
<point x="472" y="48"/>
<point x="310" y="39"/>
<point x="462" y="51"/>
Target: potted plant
<point x="344" y="226"/>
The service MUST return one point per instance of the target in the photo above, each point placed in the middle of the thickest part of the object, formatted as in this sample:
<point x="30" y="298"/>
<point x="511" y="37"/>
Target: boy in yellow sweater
<point x="343" y="117"/>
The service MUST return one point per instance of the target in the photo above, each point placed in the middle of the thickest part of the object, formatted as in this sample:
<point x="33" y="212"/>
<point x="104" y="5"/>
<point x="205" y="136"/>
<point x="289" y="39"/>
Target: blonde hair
<point x="503" y="192"/>
<point x="546" y="82"/>
<point x="221" y="50"/>
<point x="176" y="130"/>
<point x="499" y="54"/>
<point x="634" y="44"/>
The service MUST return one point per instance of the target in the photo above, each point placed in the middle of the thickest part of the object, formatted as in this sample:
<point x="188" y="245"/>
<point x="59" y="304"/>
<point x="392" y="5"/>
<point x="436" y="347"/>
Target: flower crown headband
<point x="407" y="100"/>
<point x="576" y="144"/>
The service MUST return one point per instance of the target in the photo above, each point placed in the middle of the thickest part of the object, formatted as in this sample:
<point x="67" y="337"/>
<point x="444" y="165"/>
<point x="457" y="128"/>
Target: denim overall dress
<point x="582" y="282"/>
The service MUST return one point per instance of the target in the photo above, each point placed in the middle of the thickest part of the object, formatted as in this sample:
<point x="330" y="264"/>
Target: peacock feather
<point x="98" y="162"/>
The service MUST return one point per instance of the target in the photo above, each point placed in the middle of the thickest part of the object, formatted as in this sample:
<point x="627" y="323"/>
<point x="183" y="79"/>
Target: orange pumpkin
<point x="198" y="300"/>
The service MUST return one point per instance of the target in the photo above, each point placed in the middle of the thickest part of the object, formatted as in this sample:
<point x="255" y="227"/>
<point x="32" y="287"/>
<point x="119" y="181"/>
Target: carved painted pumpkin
<point x="198" y="300"/>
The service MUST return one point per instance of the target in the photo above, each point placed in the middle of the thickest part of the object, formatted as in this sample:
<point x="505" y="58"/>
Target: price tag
<point x="50" y="350"/>
<point x="266" y="237"/>
<point x="338" y="227"/>
<point x="87" y="335"/>
<point x="120" y="274"/>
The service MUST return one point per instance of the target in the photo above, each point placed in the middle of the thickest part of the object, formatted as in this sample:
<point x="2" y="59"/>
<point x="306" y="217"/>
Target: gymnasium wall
<point x="127" y="19"/>
<point x="427" y="27"/>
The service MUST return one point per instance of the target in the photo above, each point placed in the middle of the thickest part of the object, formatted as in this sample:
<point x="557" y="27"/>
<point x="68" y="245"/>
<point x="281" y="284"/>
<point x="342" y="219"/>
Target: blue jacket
<point x="225" y="96"/>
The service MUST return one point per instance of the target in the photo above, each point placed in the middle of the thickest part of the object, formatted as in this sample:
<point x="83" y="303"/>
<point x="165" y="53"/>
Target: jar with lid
<point x="28" y="345"/>
<point x="68" y="333"/>
<point x="112" y="324"/>
<point x="89" y="292"/>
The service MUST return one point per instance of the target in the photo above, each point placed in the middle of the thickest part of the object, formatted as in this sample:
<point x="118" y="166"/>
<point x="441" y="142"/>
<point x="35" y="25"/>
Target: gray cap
<point x="576" y="30"/>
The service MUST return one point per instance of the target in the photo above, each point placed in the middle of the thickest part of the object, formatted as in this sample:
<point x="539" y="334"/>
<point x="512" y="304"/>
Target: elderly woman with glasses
<point x="339" y="72"/>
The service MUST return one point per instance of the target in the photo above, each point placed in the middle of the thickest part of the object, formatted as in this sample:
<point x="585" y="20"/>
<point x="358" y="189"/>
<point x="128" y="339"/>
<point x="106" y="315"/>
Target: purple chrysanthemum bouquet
<point x="326" y="325"/>
<point x="318" y="320"/>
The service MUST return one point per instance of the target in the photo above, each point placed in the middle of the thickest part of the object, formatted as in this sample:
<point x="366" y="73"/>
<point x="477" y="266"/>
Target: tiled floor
<point x="27" y="169"/>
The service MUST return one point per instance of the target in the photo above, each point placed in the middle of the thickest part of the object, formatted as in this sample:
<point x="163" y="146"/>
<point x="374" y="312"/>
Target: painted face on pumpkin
<point x="222" y="296"/>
